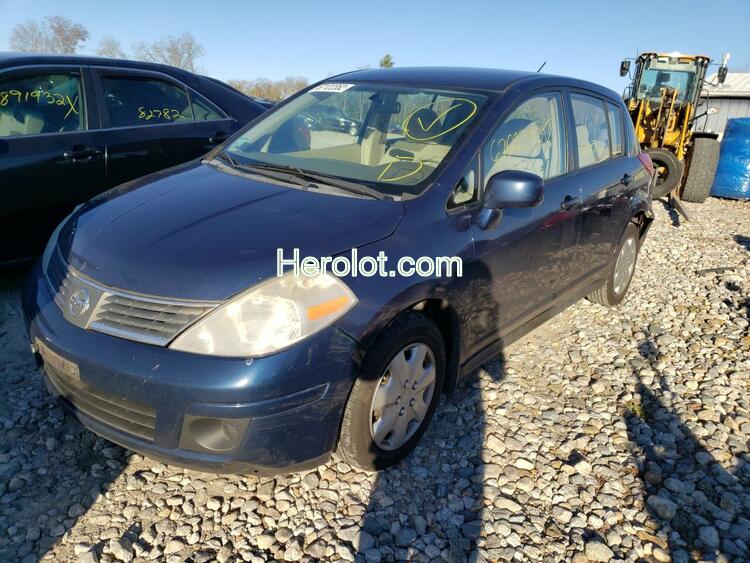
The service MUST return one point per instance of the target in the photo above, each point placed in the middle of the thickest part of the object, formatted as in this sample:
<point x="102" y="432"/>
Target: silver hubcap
<point x="625" y="265"/>
<point x="402" y="397"/>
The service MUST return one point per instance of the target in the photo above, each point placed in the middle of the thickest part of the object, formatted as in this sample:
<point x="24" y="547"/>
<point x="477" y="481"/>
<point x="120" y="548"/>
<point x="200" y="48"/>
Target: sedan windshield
<point x="390" y="138"/>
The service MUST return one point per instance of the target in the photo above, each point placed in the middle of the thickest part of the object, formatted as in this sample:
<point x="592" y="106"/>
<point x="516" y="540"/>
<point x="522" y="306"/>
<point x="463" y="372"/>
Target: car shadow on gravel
<point x="430" y="506"/>
<point x="743" y="241"/>
<point x="52" y="470"/>
<point x="703" y="509"/>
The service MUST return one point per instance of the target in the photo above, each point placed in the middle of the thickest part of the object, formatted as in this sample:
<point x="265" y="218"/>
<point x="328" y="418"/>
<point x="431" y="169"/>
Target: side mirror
<point x="624" y="68"/>
<point x="513" y="189"/>
<point x="722" y="74"/>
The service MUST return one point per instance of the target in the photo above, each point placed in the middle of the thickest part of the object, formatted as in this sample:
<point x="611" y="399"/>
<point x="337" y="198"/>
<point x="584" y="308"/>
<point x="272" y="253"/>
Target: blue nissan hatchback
<point x="163" y="324"/>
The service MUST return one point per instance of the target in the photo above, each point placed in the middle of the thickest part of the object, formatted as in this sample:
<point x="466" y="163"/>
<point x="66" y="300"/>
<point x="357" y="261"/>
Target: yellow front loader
<point x="664" y="101"/>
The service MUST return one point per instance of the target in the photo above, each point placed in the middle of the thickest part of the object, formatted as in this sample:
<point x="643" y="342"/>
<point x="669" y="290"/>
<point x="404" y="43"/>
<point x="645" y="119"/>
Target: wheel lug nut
<point x="402" y="411"/>
<point x="411" y="403"/>
<point x="414" y="387"/>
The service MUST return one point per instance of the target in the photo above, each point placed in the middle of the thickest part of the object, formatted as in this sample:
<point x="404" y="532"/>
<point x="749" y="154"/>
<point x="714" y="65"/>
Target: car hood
<point x="197" y="232"/>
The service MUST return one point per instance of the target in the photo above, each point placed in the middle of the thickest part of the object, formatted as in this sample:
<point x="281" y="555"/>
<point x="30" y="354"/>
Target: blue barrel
<point x="732" y="178"/>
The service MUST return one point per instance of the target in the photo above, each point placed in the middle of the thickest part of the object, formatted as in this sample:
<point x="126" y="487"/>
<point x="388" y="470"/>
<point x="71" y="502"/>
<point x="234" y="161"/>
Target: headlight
<point x="269" y="317"/>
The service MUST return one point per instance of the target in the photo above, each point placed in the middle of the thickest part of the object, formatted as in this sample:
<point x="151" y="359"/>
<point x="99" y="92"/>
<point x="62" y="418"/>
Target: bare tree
<point x="55" y="34"/>
<point x="270" y="89"/>
<point x="176" y="50"/>
<point x="110" y="47"/>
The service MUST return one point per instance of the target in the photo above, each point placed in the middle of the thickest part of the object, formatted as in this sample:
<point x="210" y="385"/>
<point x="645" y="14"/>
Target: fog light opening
<point x="215" y="434"/>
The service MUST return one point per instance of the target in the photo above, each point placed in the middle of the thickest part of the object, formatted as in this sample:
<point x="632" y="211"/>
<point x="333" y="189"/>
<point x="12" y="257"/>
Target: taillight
<point x="647" y="163"/>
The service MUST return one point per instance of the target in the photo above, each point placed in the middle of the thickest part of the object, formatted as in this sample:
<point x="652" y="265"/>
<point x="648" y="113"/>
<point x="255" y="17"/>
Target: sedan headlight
<point x="269" y="317"/>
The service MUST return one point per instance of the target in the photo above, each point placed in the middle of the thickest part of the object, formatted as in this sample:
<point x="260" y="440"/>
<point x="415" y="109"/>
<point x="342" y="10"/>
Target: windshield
<point x="658" y="74"/>
<point x="389" y="137"/>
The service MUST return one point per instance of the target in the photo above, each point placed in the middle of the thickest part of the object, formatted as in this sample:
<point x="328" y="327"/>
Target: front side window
<point x="389" y="137"/>
<point x="41" y="103"/>
<point x="530" y="139"/>
<point x="592" y="132"/>
<point x="144" y="101"/>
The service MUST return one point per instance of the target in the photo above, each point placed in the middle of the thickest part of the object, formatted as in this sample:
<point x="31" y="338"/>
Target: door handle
<point x="81" y="153"/>
<point x="570" y="202"/>
<point x="626" y="179"/>
<point x="218" y="138"/>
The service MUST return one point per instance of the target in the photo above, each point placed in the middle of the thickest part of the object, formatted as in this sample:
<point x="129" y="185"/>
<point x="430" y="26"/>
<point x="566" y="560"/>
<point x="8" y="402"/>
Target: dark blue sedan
<point x="164" y="323"/>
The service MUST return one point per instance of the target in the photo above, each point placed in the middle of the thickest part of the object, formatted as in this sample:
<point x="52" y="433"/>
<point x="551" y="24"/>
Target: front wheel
<point x="621" y="270"/>
<point x="396" y="394"/>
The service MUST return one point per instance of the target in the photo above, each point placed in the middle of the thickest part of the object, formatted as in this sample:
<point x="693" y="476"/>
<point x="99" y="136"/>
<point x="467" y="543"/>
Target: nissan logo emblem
<point x="78" y="303"/>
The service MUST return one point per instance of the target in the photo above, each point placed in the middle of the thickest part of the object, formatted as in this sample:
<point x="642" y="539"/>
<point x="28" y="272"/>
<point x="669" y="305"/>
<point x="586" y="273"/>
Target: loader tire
<point x="669" y="172"/>
<point x="700" y="175"/>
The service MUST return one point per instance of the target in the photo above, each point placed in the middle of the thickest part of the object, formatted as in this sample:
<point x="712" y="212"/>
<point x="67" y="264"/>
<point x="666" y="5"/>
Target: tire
<point x="357" y="444"/>
<point x="613" y="291"/>
<point x="700" y="175"/>
<point x="669" y="171"/>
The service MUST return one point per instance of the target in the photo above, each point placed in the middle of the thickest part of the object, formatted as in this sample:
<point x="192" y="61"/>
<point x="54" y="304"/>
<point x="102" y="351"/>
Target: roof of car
<point x="493" y="79"/>
<point x="480" y="78"/>
<point x="9" y="58"/>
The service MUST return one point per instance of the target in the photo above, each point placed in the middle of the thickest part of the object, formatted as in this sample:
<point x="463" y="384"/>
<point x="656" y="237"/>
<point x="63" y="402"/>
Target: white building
<point x="731" y="99"/>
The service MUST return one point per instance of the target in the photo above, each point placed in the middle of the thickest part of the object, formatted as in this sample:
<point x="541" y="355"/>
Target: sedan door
<point x="605" y="176"/>
<point x="51" y="153"/>
<point x="529" y="255"/>
<point x="153" y="122"/>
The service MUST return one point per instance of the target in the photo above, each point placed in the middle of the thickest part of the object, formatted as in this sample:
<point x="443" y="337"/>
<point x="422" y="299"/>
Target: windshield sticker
<point x="386" y="174"/>
<point x="332" y="87"/>
<point x="425" y="124"/>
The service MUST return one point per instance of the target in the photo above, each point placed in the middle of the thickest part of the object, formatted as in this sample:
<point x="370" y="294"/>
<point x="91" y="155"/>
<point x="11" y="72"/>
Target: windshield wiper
<point x="316" y="177"/>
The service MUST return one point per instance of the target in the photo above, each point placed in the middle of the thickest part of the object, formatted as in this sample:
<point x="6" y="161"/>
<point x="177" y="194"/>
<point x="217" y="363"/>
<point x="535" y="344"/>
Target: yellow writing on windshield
<point x="40" y="97"/>
<point x="421" y="128"/>
<point x="170" y="114"/>
<point x="399" y="175"/>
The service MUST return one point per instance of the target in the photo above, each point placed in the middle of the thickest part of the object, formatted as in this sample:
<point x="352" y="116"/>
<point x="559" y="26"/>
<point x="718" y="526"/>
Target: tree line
<point x="60" y="35"/>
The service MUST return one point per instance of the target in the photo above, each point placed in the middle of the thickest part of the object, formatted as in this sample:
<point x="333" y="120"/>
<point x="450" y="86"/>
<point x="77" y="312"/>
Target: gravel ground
<point x="605" y="434"/>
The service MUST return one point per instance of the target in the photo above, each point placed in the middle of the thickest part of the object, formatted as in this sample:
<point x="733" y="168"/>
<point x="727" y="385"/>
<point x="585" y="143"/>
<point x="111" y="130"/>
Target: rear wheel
<point x="394" y="398"/>
<point x="621" y="271"/>
<point x="668" y="171"/>
<point x="700" y="176"/>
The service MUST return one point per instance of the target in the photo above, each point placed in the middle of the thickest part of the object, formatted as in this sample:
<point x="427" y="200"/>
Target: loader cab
<point x="680" y="73"/>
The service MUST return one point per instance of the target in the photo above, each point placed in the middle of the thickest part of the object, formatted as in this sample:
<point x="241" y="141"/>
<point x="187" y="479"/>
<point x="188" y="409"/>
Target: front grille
<point x="143" y="318"/>
<point x="125" y="415"/>
<point x="148" y="321"/>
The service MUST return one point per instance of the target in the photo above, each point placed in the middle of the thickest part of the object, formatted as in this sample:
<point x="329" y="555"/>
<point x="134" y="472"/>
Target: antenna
<point x="541" y="67"/>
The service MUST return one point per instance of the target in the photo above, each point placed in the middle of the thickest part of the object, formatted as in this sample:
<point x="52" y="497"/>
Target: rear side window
<point x="41" y="103"/>
<point x="592" y="132"/>
<point x="530" y="139"/>
<point x="145" y="101"/>
<point x="615" y="126"/>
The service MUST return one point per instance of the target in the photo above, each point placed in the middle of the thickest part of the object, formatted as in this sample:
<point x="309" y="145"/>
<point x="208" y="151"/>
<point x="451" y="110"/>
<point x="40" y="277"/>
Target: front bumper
<point x="284" y="411"/>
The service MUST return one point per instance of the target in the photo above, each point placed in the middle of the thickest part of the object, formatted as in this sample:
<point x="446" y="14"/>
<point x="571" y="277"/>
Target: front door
<point x="528" y="256"/>
<point x="51" y="153"/>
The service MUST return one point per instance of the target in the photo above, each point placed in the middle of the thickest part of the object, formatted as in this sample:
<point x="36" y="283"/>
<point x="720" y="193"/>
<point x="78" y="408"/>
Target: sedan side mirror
<point x="624" y="68"/>
<point x="513" y="189"/>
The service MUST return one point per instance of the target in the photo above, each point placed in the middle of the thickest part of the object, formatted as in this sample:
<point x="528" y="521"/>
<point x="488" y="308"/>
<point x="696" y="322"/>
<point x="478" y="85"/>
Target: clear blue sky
<point x="585" y="39"/>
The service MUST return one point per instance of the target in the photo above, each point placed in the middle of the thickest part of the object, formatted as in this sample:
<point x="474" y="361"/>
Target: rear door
<point x="153" y="121"/>
<point x="51" y="152"/>
<point x="605" y="175"/>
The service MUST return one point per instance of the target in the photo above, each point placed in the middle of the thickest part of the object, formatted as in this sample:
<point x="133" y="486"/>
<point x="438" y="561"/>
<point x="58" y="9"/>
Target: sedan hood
<point x="197" y="232"/>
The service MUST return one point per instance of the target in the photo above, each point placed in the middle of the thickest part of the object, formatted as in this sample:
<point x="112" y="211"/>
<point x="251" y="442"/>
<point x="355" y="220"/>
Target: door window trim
<point x="90" y="109"/>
